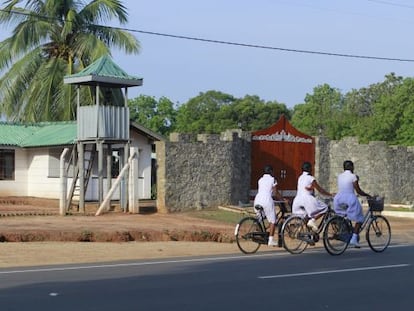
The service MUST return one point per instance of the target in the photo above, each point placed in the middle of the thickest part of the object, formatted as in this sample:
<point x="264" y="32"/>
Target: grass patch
<point x="399" y="209"/>
<point x="217" y="215"/>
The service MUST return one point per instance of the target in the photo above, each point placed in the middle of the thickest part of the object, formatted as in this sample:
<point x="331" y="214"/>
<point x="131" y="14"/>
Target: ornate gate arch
<point x="283" y="147"/>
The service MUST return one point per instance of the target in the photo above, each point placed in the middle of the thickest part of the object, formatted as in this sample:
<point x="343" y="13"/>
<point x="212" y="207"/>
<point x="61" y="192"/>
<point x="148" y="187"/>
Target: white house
<point x="30" y="159"/>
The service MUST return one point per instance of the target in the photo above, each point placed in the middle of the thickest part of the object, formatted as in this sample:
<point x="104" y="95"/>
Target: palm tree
<point x="51" y="39"/>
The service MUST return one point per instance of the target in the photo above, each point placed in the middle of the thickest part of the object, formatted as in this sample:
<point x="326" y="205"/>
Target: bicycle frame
<point x="367" y="217"/>
<point x="339" y="229"/>
<point x="280" y="218"/>
<point x="304" y="235"/>
<point x="255" y="230"/>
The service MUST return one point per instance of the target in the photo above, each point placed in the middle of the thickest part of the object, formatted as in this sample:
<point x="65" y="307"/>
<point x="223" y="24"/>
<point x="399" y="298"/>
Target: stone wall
<point x="201" y="171"/>
<point x="383" y="169"/>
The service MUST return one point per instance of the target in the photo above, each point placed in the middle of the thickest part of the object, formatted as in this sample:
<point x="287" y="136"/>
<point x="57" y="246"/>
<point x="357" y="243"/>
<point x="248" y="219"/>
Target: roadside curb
<point x="249" y="210"/>
<point x="237" y="209"/>
<point x="398" y="214"/>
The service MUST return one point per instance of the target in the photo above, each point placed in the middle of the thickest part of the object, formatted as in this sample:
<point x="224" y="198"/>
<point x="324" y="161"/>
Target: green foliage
<point x="51" y="39"/>
<point x="217" y="215"/>
<point x="210" y="112"/>
<point x="214" y="112"/>
<point x="370" y="110"/>
<point x="396" y="115"/>
<point x="321" y="112"/>
<point x="251" y="113"/>
<point x="158" y="116"/>
<point x="380" y="112"/>
<point x="202" y="114"/>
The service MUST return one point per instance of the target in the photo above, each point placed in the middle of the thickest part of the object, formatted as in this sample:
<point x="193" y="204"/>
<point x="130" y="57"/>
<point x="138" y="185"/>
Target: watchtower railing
<point x="105" y="122"/>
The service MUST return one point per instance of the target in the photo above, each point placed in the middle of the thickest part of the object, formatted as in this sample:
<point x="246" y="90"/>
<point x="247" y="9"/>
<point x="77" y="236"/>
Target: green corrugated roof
<point x="103" y="71"/>
<point x="38" y="135"/>
<point x="50" y="134"/>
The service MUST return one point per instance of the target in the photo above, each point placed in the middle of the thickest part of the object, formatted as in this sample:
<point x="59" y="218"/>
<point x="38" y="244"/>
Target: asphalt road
<point x="357" y="280"/>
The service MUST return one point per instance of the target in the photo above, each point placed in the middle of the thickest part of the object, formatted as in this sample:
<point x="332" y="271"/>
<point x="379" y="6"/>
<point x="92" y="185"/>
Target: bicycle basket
<point x="376" y="204"/>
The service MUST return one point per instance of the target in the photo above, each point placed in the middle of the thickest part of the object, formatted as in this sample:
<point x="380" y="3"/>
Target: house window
<point x="6" y="164"/>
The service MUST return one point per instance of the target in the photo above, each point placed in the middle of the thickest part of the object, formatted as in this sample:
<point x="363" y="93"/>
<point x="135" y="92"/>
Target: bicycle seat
<point x="343" y="206"/>
<point x="258" y="207"/>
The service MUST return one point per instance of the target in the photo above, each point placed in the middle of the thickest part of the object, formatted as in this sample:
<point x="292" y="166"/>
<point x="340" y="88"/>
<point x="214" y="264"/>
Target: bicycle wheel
<point x="294" y="232"/>
<point x="246" y="231"/>
<point x="336" y="235"/>
<point x="378" y="233"/>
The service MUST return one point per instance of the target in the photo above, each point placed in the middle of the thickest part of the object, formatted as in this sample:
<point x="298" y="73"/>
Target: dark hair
<point x="268" y="169"/>
<point x="307" y="167"/>
<point x="348" y="165"/>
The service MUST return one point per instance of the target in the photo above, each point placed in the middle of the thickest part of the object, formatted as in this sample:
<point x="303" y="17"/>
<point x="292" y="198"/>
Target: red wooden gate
<point x="285" y="148"/>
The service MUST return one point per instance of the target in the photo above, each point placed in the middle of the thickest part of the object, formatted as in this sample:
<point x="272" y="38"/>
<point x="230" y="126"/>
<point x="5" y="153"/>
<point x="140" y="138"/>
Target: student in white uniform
<point x="305" y="202"/>
<point x="264" y="197"/>
<point x="347" y="186"/>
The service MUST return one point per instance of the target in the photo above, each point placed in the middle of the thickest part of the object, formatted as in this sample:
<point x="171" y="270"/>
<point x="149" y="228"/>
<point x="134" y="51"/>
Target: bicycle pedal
<point x="306" y="237"/>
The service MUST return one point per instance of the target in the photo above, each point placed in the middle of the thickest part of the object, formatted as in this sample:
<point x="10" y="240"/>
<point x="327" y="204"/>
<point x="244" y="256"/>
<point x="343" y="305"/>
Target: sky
<point x="180" y="69"/>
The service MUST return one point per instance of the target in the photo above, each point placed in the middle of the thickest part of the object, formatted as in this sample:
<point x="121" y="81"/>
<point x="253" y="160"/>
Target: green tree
<point x="252" y="113"/>
<point x="158" y="116"/>
<point x="214" y="112"/>
<point x="321" y="113"/>
<point x="405" y="133"/>
<point x="202" y="114"/>
<point x="393" y="117"/>
<point x="51" y="39"/>
<point x="371" y="111"/>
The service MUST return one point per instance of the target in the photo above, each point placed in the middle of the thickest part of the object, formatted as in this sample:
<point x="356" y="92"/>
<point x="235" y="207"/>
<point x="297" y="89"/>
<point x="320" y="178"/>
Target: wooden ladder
<point x="74" y="192"/>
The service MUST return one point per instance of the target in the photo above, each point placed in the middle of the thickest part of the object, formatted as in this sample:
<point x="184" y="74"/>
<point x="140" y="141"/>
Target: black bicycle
<point x="296" y="235"/>
<point x="338" y="230"/>
<point x="252" y="231"/>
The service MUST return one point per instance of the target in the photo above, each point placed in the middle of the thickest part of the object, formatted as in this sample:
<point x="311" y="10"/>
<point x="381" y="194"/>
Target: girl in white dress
<point x="264" y="197"/>
<point x="347" y="186"/>
<point x="305" y="202"/>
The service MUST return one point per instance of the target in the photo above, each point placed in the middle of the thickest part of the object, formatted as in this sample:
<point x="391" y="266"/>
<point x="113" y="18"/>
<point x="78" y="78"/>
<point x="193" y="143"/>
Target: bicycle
<point x="338" y="230"/>
<point x="296" y="235"/>
<point x="252" y="231"/>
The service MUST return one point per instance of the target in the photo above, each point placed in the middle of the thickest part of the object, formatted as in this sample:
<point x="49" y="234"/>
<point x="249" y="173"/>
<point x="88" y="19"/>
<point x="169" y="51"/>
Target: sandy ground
<point x="47" y="240"/>
<point x="34" y="234"/>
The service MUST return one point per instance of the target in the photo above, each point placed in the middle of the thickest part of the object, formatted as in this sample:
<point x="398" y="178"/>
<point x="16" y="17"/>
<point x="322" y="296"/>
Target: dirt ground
<point x="83" y="238"/>
<point x="116" y="235"/>
<point x="37" y="220"/>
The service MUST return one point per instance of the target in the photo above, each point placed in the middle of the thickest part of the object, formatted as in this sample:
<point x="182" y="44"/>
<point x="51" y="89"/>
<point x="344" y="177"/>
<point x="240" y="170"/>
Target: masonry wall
<point x="383" y="169"/>
<point x="201" y="171"/>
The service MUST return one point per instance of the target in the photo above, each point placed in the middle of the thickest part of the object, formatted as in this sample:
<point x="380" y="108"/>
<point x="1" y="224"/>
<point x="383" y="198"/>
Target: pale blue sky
<point x="181" y="69"/>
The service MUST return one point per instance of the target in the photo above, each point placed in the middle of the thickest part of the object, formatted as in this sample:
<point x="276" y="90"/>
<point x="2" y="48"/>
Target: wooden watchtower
<point x="102" y="124"/>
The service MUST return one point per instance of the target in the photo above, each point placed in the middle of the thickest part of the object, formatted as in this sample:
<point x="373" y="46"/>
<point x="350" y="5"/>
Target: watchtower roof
<point x="103" y="72"/>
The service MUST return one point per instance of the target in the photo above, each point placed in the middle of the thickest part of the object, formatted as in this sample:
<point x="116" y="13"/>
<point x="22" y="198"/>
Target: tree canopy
<point x="51" y="39"/>
<point x="157" y="115"/>
<point x="382" y="111"/>
<point x="214" y="112"/>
